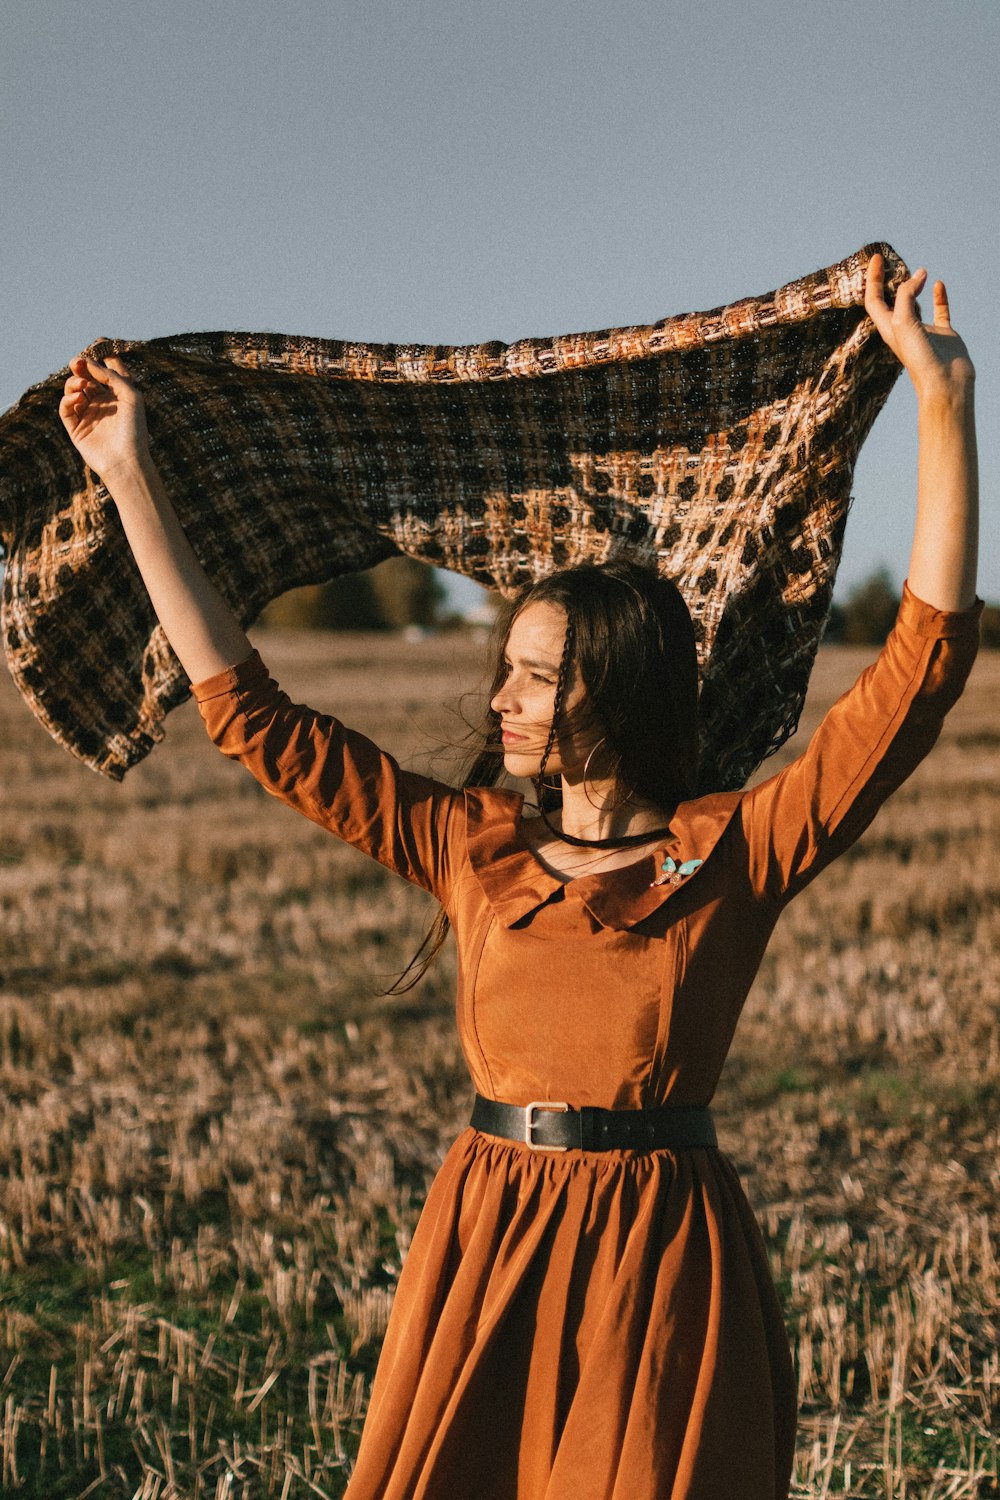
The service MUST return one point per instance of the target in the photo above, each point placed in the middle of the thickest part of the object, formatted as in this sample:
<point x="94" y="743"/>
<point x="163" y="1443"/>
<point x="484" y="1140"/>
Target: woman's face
<point x="526" y="700"/>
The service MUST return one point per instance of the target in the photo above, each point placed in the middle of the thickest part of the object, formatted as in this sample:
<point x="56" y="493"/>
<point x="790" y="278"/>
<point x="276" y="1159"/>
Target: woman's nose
<point x="501" y="700"/>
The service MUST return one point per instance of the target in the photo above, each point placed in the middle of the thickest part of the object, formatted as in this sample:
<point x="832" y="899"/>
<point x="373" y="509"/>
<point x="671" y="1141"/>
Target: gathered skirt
<point x="581" y="1326"/>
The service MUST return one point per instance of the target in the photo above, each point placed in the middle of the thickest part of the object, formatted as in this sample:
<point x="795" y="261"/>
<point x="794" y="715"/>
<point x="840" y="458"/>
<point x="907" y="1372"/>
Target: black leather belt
<point x="550" y="1125"/>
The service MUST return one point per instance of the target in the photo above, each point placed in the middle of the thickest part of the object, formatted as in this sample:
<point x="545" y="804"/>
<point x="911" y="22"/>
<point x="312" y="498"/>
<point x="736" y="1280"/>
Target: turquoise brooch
<point x="673" y="873"/>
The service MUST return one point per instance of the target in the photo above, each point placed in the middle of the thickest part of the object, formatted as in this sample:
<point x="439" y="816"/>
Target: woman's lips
<point x="510" y="738"/>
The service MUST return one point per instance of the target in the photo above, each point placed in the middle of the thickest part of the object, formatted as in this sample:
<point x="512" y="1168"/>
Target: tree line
<point x="403" y="592"/>
<point x="400" y="592"/>
<point x="866" y="616"/>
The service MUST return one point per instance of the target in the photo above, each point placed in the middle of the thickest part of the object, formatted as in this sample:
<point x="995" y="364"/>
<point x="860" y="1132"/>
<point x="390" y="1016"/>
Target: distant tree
<point x="347" y="603"/>
<point x="408" y="592"/>
<point x="989" y="627"/>
<point x="870" y="610"/>
<point x="868" y="615"/>
<point x="401" y="591"/>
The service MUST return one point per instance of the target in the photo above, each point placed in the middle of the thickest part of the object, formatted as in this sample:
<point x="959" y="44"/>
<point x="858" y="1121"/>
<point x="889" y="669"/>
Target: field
<point x="215" y="1138"/>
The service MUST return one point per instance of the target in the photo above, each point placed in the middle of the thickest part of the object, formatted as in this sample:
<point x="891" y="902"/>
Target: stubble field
<point x="215" y="1138"/>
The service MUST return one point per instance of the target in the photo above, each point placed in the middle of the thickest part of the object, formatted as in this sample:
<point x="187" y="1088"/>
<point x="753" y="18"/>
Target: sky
<point x="450" y="171"/>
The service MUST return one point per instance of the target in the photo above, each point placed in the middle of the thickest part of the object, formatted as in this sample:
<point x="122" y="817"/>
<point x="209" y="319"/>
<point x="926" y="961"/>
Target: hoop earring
<point x="586" y="764"/>
<point x="628" y="792"/>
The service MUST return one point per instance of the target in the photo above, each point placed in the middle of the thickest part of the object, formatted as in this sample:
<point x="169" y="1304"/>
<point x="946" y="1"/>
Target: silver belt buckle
<point x="555" y="1105"/>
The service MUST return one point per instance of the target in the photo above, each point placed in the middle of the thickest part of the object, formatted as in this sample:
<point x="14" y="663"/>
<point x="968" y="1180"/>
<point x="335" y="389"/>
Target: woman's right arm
<point x="327" y="772"/>
<point x="336" y="777"/>
<point x="104" y="415"/>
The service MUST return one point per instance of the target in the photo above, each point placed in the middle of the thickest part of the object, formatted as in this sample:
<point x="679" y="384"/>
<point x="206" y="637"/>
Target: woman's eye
<point x="537" y="676"/>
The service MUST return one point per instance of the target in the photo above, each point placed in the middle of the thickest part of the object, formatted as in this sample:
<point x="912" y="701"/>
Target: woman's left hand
<point x="933" y="354"/>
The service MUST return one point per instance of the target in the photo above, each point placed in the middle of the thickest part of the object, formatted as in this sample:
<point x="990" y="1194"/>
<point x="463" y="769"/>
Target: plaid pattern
<point x="718" y="445"/>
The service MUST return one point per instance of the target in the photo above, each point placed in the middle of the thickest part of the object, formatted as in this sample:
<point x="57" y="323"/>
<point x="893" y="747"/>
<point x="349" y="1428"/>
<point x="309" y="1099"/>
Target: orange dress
<point x="589" y="1325"/>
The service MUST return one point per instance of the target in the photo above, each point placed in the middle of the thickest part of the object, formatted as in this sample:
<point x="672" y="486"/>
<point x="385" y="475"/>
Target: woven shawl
<point x="718" y="446"/>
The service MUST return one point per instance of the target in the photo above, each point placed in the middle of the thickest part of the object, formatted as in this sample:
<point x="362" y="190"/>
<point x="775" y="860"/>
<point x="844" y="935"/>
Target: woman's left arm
<point x="879" y="731"/>
<point x="942" y="569"/>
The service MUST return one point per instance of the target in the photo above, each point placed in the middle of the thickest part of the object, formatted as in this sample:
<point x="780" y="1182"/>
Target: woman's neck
<point x="592" y="811"/>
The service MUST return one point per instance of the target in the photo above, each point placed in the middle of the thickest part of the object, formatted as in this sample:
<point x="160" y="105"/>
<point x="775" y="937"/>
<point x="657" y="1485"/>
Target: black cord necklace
<point x="625" y="841"/>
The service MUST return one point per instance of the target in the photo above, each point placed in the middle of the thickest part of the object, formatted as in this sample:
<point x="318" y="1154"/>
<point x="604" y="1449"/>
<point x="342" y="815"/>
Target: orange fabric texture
<point x="590" y="1325"/>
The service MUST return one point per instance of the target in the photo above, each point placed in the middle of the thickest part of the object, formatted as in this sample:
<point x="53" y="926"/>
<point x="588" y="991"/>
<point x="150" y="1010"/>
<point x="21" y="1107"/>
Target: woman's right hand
<point x="104" y="414"/>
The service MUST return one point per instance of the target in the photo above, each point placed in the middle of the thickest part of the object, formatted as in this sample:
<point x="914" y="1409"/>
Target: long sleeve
<point x="335" y="776"/>
<point x="868" y="743"/>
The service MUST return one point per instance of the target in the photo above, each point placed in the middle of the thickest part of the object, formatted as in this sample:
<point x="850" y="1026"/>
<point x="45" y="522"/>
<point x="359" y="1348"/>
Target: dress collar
<point x="515" y="882"/>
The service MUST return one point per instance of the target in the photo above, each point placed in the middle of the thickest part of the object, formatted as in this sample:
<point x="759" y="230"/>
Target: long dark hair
<point x="630" y="634"/>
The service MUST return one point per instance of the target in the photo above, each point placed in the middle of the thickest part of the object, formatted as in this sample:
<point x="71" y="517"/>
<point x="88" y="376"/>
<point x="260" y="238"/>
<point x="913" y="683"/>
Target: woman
<point x="586" y="1309"/>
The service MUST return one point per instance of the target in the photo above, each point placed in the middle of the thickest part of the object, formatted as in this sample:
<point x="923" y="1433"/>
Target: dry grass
<point x="214" y="1141"/>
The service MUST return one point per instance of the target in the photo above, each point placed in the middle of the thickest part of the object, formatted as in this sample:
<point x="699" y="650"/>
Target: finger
<point x="942" y="311"/>
<point x="906" y="309"/>
<point x="874" y="274"/>
<point x="69" y="411"/>
<point x="106" y="374"/>
<point x="94" y="370"/>
<point x="80" y="392"/>
<point x="114" y="363"/>
<point x="875" y="304"/>
<point x="75" y="393"/>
